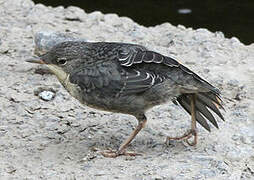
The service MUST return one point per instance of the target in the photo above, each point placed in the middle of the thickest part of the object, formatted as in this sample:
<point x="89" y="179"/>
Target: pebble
<point x="46" y="95"/>
<point x="90" y="156"/>
<point x="4" y="48"/>
<point x="11" y="169"/>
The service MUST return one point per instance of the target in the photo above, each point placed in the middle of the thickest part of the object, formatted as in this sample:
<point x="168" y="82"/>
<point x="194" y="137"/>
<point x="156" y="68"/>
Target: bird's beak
<point x="35" y="60"/>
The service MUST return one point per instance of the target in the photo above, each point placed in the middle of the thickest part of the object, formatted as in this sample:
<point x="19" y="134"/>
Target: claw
<point x="110" y="153"/>
<point x="186" y="136"/>
<point x="193" y="133"/>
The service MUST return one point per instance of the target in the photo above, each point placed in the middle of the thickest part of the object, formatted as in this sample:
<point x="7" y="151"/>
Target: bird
<point x="130" y="79"/>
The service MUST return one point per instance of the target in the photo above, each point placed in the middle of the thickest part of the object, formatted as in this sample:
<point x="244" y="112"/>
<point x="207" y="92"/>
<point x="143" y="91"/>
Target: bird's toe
<point x="115" y="153"/>
<point x="186" y="137"/>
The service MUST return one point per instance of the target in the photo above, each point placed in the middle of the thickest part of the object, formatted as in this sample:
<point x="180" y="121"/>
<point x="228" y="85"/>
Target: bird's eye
<point x="62" y="61"/>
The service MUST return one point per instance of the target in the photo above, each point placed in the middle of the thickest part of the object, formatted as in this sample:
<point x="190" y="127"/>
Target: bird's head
<point x="63" y="58"/>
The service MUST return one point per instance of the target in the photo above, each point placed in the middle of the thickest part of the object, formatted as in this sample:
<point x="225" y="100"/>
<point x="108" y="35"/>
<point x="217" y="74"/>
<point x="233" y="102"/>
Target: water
<point x="232" y="17"/>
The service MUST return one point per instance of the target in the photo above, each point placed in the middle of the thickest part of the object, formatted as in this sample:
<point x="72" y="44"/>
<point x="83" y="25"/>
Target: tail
<point x="205" y="103"/>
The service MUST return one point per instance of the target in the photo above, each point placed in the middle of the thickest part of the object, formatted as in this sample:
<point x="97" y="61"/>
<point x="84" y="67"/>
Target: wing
<point x="115" y="71"/>
<point x="134" y="55"/>
<point x="114" y="80"/>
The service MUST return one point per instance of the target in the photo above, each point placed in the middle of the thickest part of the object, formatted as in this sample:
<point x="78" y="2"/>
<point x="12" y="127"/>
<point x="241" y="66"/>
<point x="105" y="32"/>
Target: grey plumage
<point x="116" y="70"/>
<point x="130" y="79"/>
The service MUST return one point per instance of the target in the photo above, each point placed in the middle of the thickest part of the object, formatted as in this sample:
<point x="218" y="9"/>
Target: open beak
<point x="35" y="60"/>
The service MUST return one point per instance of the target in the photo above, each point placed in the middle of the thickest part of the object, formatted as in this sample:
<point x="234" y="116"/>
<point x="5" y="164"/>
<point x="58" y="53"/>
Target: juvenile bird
<point x="130" y="79"/>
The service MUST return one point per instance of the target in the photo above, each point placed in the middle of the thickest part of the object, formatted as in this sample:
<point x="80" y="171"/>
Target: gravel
<point x="59" y="138"/>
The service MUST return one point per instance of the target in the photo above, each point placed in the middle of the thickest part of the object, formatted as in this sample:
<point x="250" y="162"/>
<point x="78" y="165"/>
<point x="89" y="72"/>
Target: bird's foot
<point x="116" y="153"/>
<point x="195" y="138"/>
<point x="186" y="136"/>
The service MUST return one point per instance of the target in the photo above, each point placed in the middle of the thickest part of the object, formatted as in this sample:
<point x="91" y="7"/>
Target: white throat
<point x="59" y="72"/>
<point x="63" y="77"/>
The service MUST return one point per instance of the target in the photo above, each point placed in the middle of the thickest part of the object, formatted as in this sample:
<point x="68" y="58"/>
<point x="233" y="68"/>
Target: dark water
<point x="232" y="17"/>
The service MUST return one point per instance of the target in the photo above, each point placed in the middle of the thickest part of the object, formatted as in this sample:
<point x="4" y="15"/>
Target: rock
<point x="45" y="40"/>
<point x="46" y="95"/>
<point x="4" y="48"/>
<point x="41" y="140"/>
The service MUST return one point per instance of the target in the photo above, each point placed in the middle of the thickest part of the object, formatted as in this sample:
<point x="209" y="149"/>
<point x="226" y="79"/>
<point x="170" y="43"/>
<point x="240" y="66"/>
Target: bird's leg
<point x="193" y="121"/>
<point x="121" y="150"/>
<point x="192" y="132"/>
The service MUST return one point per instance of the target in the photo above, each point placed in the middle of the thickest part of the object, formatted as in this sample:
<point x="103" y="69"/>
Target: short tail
<point x="205" y="103"/>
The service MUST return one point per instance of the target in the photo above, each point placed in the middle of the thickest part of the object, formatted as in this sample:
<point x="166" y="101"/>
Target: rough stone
<point x="48" y="140"/>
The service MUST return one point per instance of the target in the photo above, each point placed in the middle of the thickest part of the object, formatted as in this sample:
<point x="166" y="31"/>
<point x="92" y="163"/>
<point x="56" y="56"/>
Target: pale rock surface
<point x="55" y="139"/>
